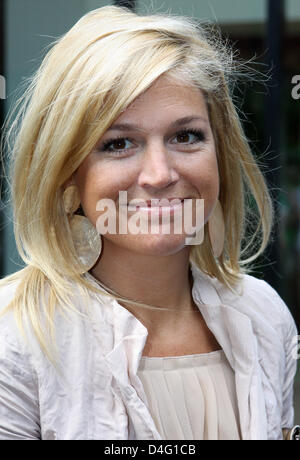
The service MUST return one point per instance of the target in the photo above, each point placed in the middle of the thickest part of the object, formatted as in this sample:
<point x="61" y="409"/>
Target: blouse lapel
<point x="122" y="337"/>
<point x="233" y="330"/>
<point x="123" y="361"/>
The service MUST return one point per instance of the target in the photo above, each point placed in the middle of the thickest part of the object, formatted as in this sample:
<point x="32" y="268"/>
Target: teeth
<point x="158" y="204"/>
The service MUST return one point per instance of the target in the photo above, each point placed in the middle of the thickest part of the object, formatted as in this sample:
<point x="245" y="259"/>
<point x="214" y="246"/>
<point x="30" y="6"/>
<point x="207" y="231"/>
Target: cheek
<point x="205" y="178"/>
<point x="205" y="175"/>
<point x="97" y="180"/>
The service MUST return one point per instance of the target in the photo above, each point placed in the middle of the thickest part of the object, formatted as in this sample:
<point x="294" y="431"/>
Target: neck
<point x="161" y="281"/>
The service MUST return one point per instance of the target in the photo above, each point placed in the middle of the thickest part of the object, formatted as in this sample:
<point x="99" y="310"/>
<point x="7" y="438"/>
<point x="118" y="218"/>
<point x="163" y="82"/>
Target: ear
<point x="70" y="181"/>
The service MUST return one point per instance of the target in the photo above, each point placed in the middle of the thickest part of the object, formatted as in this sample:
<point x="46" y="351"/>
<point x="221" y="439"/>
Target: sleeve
<point x="290" y="338"/>
<point x="291" y="359"/>
<point x="19" y="407"/>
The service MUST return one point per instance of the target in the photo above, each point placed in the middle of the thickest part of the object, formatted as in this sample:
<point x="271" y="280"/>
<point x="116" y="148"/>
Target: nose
<point x="158" y="168"/>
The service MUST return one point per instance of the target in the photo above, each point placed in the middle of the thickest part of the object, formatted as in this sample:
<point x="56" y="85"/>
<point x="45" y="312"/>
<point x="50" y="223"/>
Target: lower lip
<point x="158" y="210"/>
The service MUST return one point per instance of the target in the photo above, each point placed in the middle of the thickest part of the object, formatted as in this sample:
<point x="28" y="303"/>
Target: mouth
<point x="155" y="203"/>
<point x="156" y="206"/>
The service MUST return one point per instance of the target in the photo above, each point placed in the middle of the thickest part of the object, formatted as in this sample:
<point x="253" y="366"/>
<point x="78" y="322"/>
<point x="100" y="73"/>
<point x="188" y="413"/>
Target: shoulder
<point x="8" y="289"/>
<point x="15" y="355"/>
<point x="260" y="301"/>
<point x="8" y="286"/>
<point x="253" y="297"/>
<point x="19" y="394"/>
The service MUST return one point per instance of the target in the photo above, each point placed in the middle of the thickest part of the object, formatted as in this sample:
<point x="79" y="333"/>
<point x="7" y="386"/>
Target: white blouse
<point x="97" y="395"/>
<point x="191" y="397"/>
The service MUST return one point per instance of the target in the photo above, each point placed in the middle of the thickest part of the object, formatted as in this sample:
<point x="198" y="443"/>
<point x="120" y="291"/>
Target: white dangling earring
<point x="216" y="229"/>
<point x="86" y="239"/>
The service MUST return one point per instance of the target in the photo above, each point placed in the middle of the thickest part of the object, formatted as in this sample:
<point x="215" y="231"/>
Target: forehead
<point x="165" y="98"/>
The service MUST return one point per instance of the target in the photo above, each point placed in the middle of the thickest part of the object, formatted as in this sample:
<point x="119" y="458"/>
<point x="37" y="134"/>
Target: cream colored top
<point x="191" y="397"/>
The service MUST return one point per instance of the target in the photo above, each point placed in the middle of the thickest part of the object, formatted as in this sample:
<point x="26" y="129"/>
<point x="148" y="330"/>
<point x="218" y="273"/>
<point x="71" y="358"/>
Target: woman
<point x="126" y="334"/>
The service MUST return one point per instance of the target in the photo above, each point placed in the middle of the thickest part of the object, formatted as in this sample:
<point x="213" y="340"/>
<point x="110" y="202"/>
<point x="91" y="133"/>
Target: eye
<point x="187" y="136"/>
<point x="118" y="144"/>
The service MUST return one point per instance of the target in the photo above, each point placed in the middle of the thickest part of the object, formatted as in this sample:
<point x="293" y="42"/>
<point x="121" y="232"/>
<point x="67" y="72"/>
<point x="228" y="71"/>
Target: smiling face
<point x="161" y="146"/>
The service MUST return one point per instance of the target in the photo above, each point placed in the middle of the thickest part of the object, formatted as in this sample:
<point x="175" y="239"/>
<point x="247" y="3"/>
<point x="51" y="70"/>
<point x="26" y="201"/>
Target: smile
<point x="161" y="208"/>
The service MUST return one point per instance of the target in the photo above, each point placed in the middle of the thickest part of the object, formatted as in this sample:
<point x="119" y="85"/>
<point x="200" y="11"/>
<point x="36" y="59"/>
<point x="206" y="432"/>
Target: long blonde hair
<point x="89" y="76"/>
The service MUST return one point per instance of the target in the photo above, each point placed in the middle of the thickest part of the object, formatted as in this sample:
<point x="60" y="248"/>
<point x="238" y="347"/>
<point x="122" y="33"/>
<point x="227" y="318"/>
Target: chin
<point x="158" y="245"/>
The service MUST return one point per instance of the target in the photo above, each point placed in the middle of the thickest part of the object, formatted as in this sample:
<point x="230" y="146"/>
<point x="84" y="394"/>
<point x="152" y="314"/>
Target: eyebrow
<point x="174" y="124"/>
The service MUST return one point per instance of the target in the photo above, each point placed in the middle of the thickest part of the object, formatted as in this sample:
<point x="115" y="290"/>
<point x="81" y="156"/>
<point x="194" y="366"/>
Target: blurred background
<point x="265" y="31"/>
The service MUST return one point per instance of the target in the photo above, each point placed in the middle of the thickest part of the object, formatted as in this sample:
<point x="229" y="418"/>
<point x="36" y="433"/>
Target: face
<point x="161" y="146"/>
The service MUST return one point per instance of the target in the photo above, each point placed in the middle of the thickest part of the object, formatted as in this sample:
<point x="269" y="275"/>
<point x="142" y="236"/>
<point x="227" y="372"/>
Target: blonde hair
<point x="90" y="75"/>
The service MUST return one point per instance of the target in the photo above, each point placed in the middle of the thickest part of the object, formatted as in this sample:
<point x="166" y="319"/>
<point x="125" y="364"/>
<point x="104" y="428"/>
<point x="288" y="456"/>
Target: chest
<point x="192" y="337"/>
